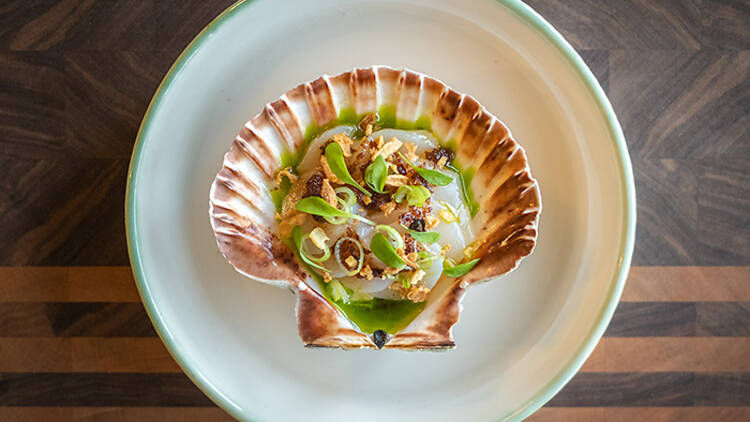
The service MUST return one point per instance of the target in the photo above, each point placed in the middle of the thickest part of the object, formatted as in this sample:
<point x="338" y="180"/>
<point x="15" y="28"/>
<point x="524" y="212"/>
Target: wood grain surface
<point x="76" y="77"/>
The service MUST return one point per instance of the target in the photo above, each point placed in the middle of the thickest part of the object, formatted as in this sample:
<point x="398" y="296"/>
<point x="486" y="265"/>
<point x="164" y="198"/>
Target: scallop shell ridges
<point x="242" y="212"/>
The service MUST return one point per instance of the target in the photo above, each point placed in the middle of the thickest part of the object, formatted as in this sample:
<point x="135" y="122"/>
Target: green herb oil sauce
<point x="390" y="316"/>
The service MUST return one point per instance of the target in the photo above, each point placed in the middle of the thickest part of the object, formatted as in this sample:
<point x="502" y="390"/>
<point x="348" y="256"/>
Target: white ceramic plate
<point x="237" y="339"/>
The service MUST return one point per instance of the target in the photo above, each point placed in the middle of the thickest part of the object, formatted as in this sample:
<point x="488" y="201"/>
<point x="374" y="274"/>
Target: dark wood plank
<point x="653" y="319"/>
<point x="655" y="389"/>
<point x="667" y="212"/>
<point x="31" y="104"/>
<point x="76" y="24"/>
<point x="724" y="209"/>
<point x="616" y="24"/>
<point x="722" y="389"/>
<point x="119" y="414"/>
<point x="106" y="96"/>
<point x="62" y="212"/>
<point x="77" y="319"/>
<point x="586" y="389"/>
<point x="686" y="116"/>
<point x="631" y="414"/>
<point x="598" y="62"/>
<point x="723" y="319"/>
<point x="726" y="24"/>
<point x="677" y="104"/>
<point x="179" y="21"/>
<point x="95" y="389"/>
<point x="682" y="319"/>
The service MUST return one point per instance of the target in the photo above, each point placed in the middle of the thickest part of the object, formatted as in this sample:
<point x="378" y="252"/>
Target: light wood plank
<point x="687" y="284"/>
<point x="82" y="354"/>
<point x="67" y="284"/>
<point x="116" y="284"/>
<point x="664" y="354"/>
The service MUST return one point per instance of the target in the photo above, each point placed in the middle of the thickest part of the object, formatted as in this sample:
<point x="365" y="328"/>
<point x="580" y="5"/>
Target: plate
<point x="520" y="338"/>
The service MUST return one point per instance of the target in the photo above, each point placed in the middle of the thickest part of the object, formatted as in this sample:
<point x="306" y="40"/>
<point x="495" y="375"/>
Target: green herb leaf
<point x="297" y="238"/>
<point x="460" y="269"/>
<point x="384" y="251"/>
<point x="316" y="205"/>
<point x="424" y="237"/>
<point x="376" y="173"/>
<point x="414" y="195"/>
<point x="335" y="159"/>
<point x="431" y="176"/>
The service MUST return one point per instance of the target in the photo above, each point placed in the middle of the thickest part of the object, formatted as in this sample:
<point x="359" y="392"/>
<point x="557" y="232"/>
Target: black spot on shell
<point x="379" y="338"/>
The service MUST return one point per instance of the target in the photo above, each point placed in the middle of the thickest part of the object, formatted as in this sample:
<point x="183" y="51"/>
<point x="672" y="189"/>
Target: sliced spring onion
<point x="360" y="250"/>
<point x="326" y="250"/>
<point x="297" y="239"/>
<point x="393" y="234"/>
<point x="349" y="197"/>
<point x="425" y="260"/>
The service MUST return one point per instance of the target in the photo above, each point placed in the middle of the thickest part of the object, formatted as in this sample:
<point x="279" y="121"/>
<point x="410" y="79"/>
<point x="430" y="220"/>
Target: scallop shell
<point x="242" y="212"/>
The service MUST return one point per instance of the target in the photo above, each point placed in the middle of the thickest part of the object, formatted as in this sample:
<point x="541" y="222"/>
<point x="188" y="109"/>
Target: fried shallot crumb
<point x="396" y="180"/>
<point x="417" y="294"/>
<point x="387" y="149"/>
<point x="366" y="272"/>
<point x="444" y="250"/>
<point x="345" y="142"/>
<point x="287" y="224"/>
<point x="350" y="261"/>
<point x="286" y="172"/>
<point x="411" y="149"/>
<point x="368" y="120"/>
<point x="328" y="194"/>
<point x="388" y="208"/>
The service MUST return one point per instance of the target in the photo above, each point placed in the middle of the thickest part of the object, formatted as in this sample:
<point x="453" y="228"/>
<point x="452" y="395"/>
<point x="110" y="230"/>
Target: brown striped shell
<point x="242" y="212"/>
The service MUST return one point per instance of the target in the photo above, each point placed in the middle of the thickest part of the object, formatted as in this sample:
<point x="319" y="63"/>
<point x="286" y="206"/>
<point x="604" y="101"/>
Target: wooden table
<point x="76" y="77"/>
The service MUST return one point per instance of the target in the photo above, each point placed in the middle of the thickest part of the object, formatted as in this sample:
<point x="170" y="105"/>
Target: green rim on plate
<point x="527" y="15"/>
